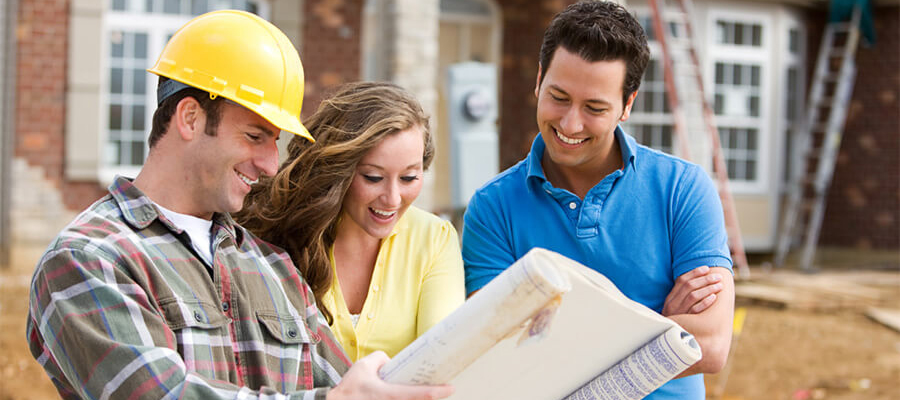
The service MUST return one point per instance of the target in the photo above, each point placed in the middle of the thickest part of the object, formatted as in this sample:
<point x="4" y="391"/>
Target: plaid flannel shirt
<point x="121" y="307"/>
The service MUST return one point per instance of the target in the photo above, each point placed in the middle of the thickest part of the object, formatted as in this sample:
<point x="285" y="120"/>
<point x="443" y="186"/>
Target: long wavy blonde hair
<point x="298" y="208"/>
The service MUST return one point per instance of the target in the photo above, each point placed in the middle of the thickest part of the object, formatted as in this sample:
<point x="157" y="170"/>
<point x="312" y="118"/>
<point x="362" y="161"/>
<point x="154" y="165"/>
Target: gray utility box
<point x="472" y="102"/>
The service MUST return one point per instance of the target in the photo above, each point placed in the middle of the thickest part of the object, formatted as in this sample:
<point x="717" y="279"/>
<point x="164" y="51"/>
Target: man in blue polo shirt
<point x="650" y="222"/>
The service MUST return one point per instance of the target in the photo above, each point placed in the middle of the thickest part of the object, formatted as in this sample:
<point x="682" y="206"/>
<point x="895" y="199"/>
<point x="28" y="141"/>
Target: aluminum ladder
<point x="820" y="140"/>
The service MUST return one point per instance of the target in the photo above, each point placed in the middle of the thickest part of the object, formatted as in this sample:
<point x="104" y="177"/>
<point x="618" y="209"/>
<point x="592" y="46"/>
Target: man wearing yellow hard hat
<point x="153" y="291"/>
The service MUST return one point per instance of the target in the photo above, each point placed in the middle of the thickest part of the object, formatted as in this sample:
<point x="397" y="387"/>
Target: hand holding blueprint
<point x="547" y="328"/>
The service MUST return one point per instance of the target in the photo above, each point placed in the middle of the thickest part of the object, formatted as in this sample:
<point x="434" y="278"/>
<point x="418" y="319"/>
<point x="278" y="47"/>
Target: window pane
<point x="118" y="5"/>
<point x="754" y="76"/>
<point x="140" y="46"/>
<point x="754" y="106"/>
<point x="139" y="82"/>
<point x="137" y="118"/>
<point x="732" y="169"/>
<point x="172" y="6"/>
<point x="738" y="34"/>
<point x="137" y="153"/>
<point x="115" y="80"/>
<point x="757" y="35"/>
<point x="199" y="7"/>
<point x="794" y="41"/>
<point x="117" y="47"/>
<point x="791" y="97"/>
<point x="751" y="139"/>
<point x="721" y="32"/>
<point x="737" y="74"/>
<point x="720" y="73"/>
<point x="650" y="103"/>
<point x="719" y="103"/>
<point x="115" y="116"/>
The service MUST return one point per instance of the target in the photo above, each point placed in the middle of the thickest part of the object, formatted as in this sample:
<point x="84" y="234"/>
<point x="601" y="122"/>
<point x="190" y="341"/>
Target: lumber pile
<point x="825" y="292"/>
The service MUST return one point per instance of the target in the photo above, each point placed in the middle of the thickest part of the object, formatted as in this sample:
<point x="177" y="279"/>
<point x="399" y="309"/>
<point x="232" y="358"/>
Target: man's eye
<point x="596" y="110"/>
<point x="372" y="178"/>
<point x="557" y="98"/>
<point x="252" y="137"/>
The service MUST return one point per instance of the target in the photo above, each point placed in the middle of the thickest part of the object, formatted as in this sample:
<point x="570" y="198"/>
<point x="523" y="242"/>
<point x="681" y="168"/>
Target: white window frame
<point x="652" y="120"/>
<point x="732" y="54"/>
<point x="792" y="128"/>
<point x="158" y="27"/>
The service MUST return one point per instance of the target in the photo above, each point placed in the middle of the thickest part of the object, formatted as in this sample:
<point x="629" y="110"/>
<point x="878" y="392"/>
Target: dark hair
<point x="163" y="113"/>
<point x="298" y="208"/>
<point x="599" y="31"/>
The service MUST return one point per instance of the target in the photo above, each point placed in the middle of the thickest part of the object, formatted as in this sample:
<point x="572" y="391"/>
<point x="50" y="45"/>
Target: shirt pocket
<point x="286" y="329"/>
<point x="201" y="333"/>
<point x="287" y="349"/>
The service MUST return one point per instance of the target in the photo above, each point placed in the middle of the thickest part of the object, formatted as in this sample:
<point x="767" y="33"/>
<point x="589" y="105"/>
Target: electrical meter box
<point x="471" y="89"/>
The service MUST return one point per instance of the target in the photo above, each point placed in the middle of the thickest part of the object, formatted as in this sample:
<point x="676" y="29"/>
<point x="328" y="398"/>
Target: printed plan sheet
<point x="548" y="328"/>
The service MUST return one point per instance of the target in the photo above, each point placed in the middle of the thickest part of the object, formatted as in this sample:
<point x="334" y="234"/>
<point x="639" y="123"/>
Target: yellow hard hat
<point x="241" y="57"/>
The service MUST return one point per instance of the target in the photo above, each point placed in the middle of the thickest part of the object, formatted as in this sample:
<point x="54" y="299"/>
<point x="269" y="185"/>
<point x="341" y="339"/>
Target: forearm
<point x="712" y="329"/>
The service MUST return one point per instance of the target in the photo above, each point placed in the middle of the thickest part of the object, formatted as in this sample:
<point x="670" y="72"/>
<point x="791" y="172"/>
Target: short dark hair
<point x="163" y="113"/>
<point x="599" y="31"/>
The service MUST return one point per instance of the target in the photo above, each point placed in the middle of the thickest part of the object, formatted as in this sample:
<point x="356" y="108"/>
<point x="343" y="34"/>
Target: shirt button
<point x="197" y="316"/>
<point x="572" y="205"/>
<point x="371" y="315"/>
<point x="352" y="343"/>
<point x="292" y="333"/>
<point x="375" y="288"/>
<point x="225" y="306"/>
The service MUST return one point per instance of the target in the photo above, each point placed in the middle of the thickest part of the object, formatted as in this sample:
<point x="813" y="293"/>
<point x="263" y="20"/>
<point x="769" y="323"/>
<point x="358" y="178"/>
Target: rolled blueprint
<point x="645" y="370"/>
<point x="527" y="290"/>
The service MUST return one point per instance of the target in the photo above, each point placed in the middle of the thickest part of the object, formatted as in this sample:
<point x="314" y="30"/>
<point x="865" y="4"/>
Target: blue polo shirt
<point x="642" y="226"/>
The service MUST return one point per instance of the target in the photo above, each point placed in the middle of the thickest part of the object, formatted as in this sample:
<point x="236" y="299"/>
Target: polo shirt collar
<point x="627" y="145"/>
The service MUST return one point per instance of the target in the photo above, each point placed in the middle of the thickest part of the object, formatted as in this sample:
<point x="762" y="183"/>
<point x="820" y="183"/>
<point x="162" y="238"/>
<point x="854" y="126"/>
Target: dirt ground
<point x="781" y="353"/>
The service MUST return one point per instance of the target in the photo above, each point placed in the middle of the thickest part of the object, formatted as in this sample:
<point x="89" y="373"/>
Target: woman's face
<point x="387" y="180"/>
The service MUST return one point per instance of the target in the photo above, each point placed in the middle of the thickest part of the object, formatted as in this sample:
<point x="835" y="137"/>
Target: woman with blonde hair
<point x="383" y="271"/>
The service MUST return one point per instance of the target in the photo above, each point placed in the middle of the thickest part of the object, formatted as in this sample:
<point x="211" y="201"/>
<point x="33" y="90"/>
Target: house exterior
<point x="77" y="101"/>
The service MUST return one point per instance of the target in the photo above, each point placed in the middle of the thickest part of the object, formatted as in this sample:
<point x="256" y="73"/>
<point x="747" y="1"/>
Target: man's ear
<point x="189" y="118"/>
<point x="537" y="82"/>
<point x="626" y="111"/>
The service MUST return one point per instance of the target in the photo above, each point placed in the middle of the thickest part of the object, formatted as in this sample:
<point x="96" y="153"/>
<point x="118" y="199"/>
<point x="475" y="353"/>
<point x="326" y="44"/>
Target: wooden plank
<point x="889" y="317"/>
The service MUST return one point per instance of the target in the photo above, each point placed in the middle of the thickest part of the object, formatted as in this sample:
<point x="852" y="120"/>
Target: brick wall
<point x="524" y="22"/>
<point x="863" y="209"/>
<point x="41" y="96"/>
<point x="331" y="47"/>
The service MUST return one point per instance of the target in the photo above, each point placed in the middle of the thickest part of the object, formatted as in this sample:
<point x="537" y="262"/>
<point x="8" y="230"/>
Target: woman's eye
<point x="372" y="178"/>
<point x="409" y="178"/>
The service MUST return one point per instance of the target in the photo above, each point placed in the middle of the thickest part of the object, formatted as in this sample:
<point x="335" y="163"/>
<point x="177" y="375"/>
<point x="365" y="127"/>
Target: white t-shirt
<point x="198" y="229"/>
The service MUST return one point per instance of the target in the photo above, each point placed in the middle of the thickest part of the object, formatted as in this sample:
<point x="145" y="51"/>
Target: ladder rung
<point x="837" y="52"/>
<point x="840" y="27"/>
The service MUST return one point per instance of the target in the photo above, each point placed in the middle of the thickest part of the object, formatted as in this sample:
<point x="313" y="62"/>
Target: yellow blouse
<point x="417" y="281"/>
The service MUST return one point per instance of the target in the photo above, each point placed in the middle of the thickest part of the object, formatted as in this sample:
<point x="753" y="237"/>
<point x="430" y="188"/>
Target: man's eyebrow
<point x="595" y="101"/>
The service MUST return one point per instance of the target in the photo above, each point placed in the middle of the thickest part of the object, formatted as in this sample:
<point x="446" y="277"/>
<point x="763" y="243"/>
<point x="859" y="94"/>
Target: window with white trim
<point x="651" y="118"/>
<point x="739" y="60"/>
<point x="135" y="32"/>
<point x="793" y="97"/>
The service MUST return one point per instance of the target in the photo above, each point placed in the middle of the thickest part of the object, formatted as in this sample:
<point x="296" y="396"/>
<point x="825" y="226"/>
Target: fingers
<point x="362" y="381"/>
<point x="704" y="304"/>
<point x="694" y="292"/>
